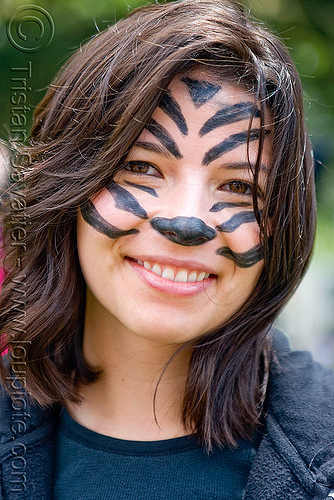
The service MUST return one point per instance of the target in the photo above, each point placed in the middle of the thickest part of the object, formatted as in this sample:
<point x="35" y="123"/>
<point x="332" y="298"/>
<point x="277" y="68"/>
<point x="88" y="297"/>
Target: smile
<point x="177" y="276"/>
<point x="173" y="277"/>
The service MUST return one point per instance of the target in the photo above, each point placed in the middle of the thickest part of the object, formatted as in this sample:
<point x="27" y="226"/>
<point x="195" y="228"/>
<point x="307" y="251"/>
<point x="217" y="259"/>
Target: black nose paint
<point x="187" y="231"/>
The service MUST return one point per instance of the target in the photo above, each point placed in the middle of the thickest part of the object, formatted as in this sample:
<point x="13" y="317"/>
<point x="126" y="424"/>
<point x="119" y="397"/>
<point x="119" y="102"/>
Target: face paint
<point x="147" y="189"/>
<point x="200" y="91"/>
<point x="229" y="114"/>
<point x="164" y="137"/>
<point x="180" y="271"/>
<point x="187" y="231"/>
<point x="232" y="142"/>
<point x="171" y="107"/>
<point x="94" y="219"/>
<point x="245" y="259"/>
<point x="126" y="201"/>
<point x="218" y="207"/>
<point x="236" y="221"/>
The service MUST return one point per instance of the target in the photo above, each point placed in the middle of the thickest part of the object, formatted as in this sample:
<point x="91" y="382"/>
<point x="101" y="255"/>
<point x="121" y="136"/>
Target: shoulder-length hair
<point x="82" y="132"/>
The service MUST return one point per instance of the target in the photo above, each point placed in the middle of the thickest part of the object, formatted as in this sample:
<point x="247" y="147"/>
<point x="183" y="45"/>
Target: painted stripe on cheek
<point x="236" y="221"/>
<point x="245" y="259"/>
<point x="126" y="201"/>
<point x="147" y="189"/>
<point x="94" y="219"/>
<point x="218" y="207"/>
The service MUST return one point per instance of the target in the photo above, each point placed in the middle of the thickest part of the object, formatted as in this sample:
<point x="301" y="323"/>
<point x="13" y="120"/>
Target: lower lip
<point x="170" y="287"/>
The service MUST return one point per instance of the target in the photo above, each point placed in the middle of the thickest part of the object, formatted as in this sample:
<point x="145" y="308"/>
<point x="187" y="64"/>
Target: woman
<point x="170" y="206"/>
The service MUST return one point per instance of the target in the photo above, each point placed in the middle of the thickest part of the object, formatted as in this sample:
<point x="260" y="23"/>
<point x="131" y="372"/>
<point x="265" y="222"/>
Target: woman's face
<point x="170" y="249"/>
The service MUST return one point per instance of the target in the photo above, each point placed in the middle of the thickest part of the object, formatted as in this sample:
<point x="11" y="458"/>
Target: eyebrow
<point x="153" y="148"/>
<point x="245" y="165"/>
<point x="229" y="114"/>
<point x="160" y="150"/>
<point x="164" y="137"/>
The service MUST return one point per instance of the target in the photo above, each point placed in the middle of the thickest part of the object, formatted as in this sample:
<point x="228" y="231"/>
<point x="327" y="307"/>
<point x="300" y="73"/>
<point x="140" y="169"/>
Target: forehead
<point x="201" y="119"/>
<point x="204" y="100"/>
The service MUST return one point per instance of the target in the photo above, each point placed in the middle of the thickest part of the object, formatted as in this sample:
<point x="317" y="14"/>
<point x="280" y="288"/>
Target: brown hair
<point x="83" y="130"/>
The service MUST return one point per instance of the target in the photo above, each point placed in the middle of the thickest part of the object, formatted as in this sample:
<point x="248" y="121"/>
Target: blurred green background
<point x="307" y="27"/>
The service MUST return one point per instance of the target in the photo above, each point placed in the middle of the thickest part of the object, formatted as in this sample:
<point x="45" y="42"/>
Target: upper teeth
<point x="182" y="276"/>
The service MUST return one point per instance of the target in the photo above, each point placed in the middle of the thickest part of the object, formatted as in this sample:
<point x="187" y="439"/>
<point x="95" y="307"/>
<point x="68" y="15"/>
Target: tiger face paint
<point x="170" y="248"/>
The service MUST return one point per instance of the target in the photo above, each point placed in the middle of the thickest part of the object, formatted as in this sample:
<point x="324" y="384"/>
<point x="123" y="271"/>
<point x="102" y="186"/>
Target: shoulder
<point x="295" y="459"/>
<point x="299" y="386"/>
<point x="300" y="412"/>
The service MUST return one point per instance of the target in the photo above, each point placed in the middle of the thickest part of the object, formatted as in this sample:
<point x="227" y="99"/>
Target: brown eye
<point x="240" y="187"/>
<point x="141" y="167"/>
<point x="138" y="168"/>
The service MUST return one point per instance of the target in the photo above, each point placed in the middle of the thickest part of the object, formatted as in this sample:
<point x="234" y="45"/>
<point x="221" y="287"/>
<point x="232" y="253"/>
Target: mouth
<point x="173" y="277"/>
<point x="172" y="273"/>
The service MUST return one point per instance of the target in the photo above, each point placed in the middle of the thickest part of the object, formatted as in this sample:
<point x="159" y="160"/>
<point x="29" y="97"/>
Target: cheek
<point x="239" y="231"/>
<point x="92" y="246"/>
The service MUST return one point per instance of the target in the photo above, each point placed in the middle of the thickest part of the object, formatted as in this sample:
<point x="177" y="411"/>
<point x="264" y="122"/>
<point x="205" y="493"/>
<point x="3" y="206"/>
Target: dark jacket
<point x="295" y="460"/>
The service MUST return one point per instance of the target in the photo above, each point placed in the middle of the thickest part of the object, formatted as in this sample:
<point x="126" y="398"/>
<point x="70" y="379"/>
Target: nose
<point x="186" y="231"/>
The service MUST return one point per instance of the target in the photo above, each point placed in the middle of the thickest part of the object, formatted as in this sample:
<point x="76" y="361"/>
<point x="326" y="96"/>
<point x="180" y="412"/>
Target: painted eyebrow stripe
<point x="171" y="107"/>
<point x="218" y="207"/>
<point x="229" y="114"/>
<point x="147" y="189"/>
<point x="232" y="142"/>
<point x="126" y="201"/>
<point x="200" y="91"/>
<point x="244" y="260"/>
<point x="236" y="221"/>
<point x="94" y="219"/>
<point x="164" y="137"/>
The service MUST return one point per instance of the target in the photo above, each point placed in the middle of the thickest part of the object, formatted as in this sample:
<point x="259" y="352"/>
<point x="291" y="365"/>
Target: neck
<point x="121" y="402"/>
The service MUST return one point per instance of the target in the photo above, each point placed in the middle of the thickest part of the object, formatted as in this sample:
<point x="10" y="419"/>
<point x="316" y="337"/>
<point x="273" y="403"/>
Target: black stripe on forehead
<point x="245" y="259"/>
<point x="94" y="219"/>
<point x="200" y="91"/>
<point x="164" y="137"/>
<point x="232" y="142"/>
<point x="229" y="114"/>
<point x="171" y="107"/>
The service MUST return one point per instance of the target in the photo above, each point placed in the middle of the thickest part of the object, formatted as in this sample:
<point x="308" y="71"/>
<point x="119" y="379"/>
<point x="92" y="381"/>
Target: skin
<point x="182" y="200"/>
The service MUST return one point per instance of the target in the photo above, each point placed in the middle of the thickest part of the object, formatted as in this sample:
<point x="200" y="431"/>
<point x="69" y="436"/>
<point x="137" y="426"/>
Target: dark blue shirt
<point x="97" y="467"/>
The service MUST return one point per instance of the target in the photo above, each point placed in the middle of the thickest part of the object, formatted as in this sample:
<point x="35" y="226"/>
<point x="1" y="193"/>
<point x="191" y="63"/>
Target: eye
<point x="141" y="168"/>
<point x="237" y="187"/>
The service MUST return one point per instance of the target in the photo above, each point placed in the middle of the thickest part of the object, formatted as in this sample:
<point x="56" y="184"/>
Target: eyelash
<point x="131" y="165"/>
